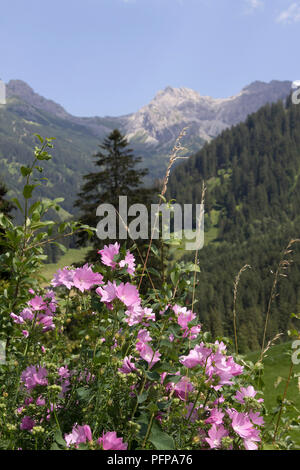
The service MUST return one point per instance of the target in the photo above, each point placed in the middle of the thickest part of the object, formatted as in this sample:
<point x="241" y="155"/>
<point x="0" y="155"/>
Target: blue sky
<point x="110" y="57"/>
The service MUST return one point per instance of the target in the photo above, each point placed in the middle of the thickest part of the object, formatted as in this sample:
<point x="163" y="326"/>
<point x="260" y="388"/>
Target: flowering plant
<point x="92" y="363"/>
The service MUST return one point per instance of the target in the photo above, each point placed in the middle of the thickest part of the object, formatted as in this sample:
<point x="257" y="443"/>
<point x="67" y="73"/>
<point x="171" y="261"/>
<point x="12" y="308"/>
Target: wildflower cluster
<point x="138" y="373"/>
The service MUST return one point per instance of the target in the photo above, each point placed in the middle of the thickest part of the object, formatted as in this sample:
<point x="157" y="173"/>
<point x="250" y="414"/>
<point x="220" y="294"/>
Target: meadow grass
<point x="276" y="364"/>
<point x="72" y="256"/>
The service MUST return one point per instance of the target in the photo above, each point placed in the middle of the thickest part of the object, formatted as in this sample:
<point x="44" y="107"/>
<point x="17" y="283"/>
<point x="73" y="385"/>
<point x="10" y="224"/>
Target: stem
<point x="148" y="430"/>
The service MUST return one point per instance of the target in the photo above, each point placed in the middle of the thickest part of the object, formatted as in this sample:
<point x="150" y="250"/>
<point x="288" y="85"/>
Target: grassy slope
<point x="70" y="257"/>
<point x="277" y="364"/>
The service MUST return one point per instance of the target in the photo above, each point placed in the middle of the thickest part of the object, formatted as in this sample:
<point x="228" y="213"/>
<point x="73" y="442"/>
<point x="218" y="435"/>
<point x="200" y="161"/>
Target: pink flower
<point x="127" y="365"/>
<point x="183" y="388"/>
<point x="27" y="423"/>
<point x="85" y="278"/>
<point x="249" y="443"/>
<point x="223" y="368"/>
<point x="17" y="318"/>
<point x="135" y="314"/>
<point x="79" y="435"/>
<point x="110" y="441"/>
<point x="37" y="303"/>
<point x="245" y="392"/>
<point x="46" y="321"/>
<point x="216" y="434"/>
<point x="63" y="277"/>
<point x="108" y="253"/>
<point x="216" y="417"/>
<point x="40" y="401"/>
<point x="196" y="356"/>
<point x="128" y="294"/>
<point x="32" y="376"/>
<point x="149" y="314"/>
<point x="193" y="332"/>
<point x="242" y="425"/>
<point x="184" y="316"/>
<point x="129" y="261"/>
<point x="25" y="333"/>
<point x="256" y="418"/>
<point x="147" y="353"/>
<point x="108" y="292"/>
<point x="27" y="314"/>
<point x="143" y="336"/>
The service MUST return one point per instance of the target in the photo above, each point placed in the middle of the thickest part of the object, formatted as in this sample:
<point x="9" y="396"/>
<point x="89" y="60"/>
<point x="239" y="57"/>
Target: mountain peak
<point x="177" y="93"/>
<point x="22" y="90"/>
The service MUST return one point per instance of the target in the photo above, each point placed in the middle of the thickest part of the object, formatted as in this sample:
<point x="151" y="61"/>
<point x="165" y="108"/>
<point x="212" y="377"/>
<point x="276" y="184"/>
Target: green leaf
<point x="17" y="202"/>
<point x="154" y="272"/>
<point x="143" y="397"/>
<point x="160" y="439"/>
<point x="39" y="137"/>
<point x="60" y="246"/>
<point x="59" y="439"/>
<point x="155" y="251"/>
<point x="192" y="267"/>
<point x="27" y="191"/>
<point x="25" y="170"/>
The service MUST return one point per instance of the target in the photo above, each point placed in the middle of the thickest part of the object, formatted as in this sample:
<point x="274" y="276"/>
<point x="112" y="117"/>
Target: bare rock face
<point x="175" y="108"/>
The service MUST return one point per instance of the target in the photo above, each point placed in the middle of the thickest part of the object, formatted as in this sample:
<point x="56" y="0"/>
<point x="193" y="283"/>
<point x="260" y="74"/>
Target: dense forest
<point x="251" y="172"/>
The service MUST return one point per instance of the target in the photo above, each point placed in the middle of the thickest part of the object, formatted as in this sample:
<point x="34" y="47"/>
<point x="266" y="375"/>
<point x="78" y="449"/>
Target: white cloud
<point x="252" y="5"/>
<point x="255" y="4"/>
<point x="291" y="15"/>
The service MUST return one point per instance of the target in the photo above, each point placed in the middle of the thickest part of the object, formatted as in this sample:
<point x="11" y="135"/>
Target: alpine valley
<point x="152" y="131"/>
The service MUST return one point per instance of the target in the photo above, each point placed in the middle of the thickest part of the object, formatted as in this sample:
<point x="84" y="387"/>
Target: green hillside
<point x="252" y="212"/>
<point x="74" y="147"/>
<point x="276" y="370"/>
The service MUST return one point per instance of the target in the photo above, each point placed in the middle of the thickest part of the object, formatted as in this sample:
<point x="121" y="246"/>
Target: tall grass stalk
<point x="235" y="291"/>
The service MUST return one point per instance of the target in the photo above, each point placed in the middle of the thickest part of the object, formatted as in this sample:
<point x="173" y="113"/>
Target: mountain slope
<point x="152" y="130"/>
<point x="252" y="210"/>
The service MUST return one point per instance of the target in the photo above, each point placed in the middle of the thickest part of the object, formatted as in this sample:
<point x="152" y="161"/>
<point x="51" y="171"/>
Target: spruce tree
<point x="118" y="175"/>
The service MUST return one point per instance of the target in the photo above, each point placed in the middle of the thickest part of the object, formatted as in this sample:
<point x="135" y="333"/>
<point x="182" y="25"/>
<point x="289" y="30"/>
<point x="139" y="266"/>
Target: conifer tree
<point x="117" y="175"/>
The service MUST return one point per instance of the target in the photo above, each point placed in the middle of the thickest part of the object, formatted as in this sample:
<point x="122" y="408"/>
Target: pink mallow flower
<point x="108" y="253"/>
<point x="216" y="434"/>
<point x="128" y="294"/>
<point x="63" y="277"/>
<point x="184" y="316"/>
<point x="27" y="423"/>
<point x="216" y="417"/>
<point x="183" y="388"/>
<point x="245" y="392"/>
<point x="129" y="261"/>
<point x="147" y="353"/>
<point x="85" y="278"/>
<point x="37" y="303"/>
<point x="242" y="425"/>
<point x="33" y="376"/>
<point x="110" y="441"/>
<point x="196" y="356"/>
<point x="108" y="292"/>
<point x="79" y="435"/>
<point x="127" y="365"/>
